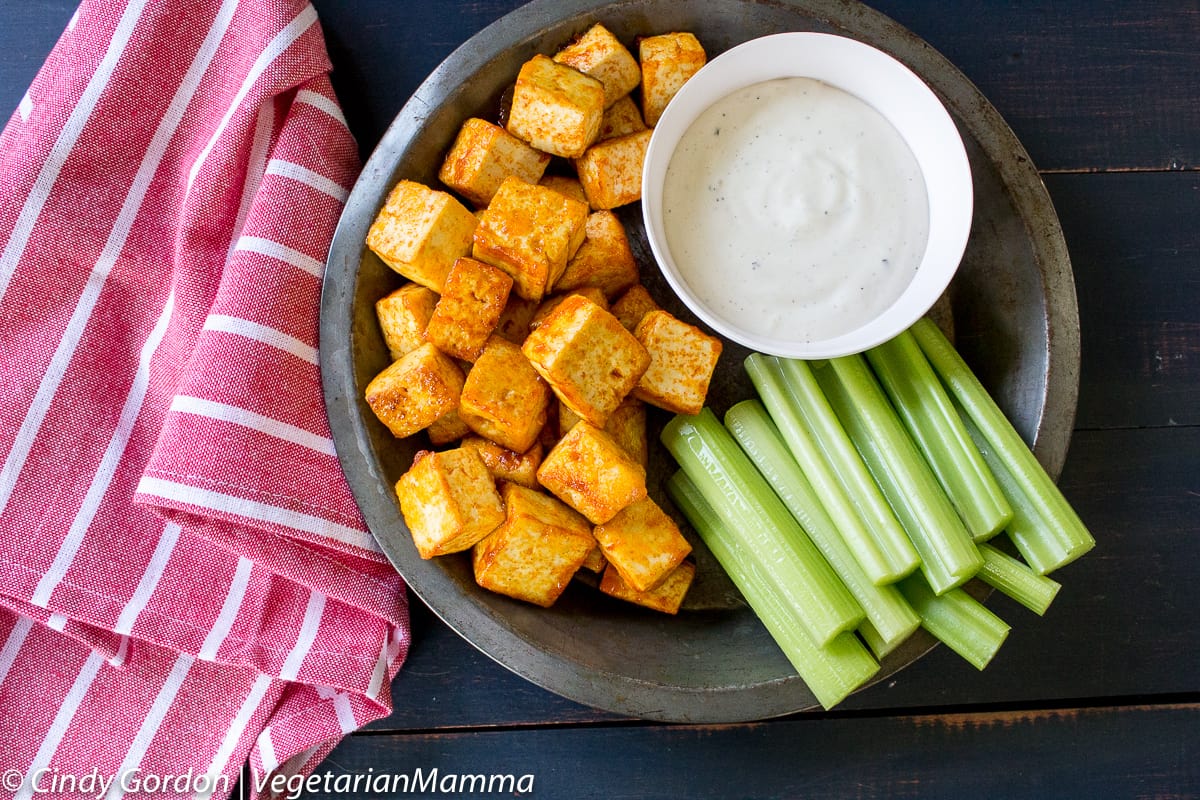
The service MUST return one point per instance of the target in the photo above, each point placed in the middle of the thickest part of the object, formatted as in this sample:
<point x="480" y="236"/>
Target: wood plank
<point x="1137" y="273"/>
<point x="1142" y="751"/>
<point x="1126" y="622"/>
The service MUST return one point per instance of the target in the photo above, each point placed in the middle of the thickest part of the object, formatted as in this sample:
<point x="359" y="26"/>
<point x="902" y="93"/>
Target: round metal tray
<point x="1013" y="302"/>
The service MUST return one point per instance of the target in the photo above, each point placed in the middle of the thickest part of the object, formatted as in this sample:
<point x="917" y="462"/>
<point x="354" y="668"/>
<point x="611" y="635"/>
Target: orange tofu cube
<point x="632" y="306"/>
<point x="415" y="391"/>
<point x="604" y="260"/>
<point x="403" y="315"/>
<point x="537" y="549"/>
<point x="515" y="319"/>
<point x="483" y="155"/>
<point x="503" y="398"/>
<point x="667" y="597"/>
<point x="611" y="171"/>
<point x="595" y="561"/>
<point x="621" y="119"/>
<point x="556" y="108"/>
<point x="668" y="61"/>
<point x="550" y="303"/>
<point x="469" y="310"/>
<point x="530" y="232"/>
<point x="449" y="501"/>
<point x="682" y="361"/>
<point x="508" y="465"/>
<point x="419" y="233"/>
<point x="566" y="419"/>
<point x="592" y="474"/>
<point x="590" y="361"/>
<point x="447" y="428"/>
<point x="627" y="426"/>
<point x="643" y="543"/>
<point x="566" y="185"/>
<point x="600" y="54"/>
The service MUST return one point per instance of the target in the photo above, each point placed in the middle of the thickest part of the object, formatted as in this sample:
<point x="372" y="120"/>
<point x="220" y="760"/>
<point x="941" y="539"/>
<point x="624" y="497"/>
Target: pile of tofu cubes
<point x="525" y="343"/>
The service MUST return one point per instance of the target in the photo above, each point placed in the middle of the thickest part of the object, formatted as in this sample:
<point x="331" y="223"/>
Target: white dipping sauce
<point x="794" y="210"/>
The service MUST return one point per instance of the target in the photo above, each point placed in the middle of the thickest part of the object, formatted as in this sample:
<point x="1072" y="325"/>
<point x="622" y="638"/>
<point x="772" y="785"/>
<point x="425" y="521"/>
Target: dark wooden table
<point x="1101" y="698"/>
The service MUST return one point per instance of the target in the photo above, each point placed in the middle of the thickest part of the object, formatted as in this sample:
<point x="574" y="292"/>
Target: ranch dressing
<point x="794" y="210"/>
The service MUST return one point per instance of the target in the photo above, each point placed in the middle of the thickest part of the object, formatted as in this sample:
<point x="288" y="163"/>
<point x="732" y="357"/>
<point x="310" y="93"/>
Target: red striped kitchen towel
<point x="185" y="581"/>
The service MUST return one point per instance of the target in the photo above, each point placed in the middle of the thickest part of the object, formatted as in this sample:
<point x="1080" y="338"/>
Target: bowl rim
<point x="902" y="97"/>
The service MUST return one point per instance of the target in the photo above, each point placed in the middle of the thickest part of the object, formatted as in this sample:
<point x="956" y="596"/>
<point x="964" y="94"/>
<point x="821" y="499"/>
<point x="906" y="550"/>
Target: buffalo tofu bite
<point x="534" y="553"/>
<point x="508" y="465"/>
<point x="416" y="390"/>
<point x="590" y="361"/>
<point x="469" y="309"/>
<point x="601" y="55"/>
<point x="611" y="171"/>
<point x="627" y="426"/>
<point x="643" y="543"/>
<point x="682" y="361"/>
<point x="633" y="305"/>
<point x="403" y="315"/>
<point x="668" y="61"/>
<point x="447" y="428"/>
<point x="556" y="108"/>
<point x="483" y="155"/>
<point x="620" y="119"/>
<point x="591" y="473"/>
<point x="565" y="185"/>
<point x="667" y="597"/>
<point x="514" y="320"/>
<point x="419" y="233"/>
<point x="530" y="232"/>
<point x="604" y="260"/>
<point x="449" y="501"/>
<point x="503" y="398"/>
<point x="552" y="302"/>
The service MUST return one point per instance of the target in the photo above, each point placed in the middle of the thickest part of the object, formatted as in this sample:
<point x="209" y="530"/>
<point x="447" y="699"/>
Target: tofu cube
<point x="643" y="543"/>
<point x="447" y="428"/>
<point x="682" y="360"/>
<point x="403" y="316"/>
<point x="595" y="561"/>
<point x="415" y="391"/>
<point x="556" y="108"/>
<point x="530" y="232"/>
<point x="668" y="61"/>
<point x="537" y="549"/>
<point x="483" y="155"/>
<point x="503" y="398"/>
<point x="550" y="303"/>
<point x="667" y="597"/>
<point x="515" y="319"/>
<point x="566" y="185"/>
<point x="420" y="232"/>
<point x="632" y="306"/>
<point x="611" y="171"/>
<point x="604" y="260"/>
<point x="469" y="309"/>
<point x="449" y="501"/>
<point x="621" y="119"/>
<point x="627" y="426"/>
<point x="508" y="465"/>
<point x="566" y="419"/>
<point x="590" y="472"/>
<point x="590" y="361"/>
<point x="600" y="54"/>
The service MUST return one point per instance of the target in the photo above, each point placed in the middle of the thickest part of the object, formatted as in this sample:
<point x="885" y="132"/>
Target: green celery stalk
<point x="831" y="671"/>
<point x="934" y="424"/>
<point x="1048" y="515"/>
<point x="958" y="620"/>
<point x="779" y="547"/>
<point x="878" y="646"/>
<point x="1017" y="580"/>
<point x="882" y="564"/>
<point x="948" y="555"/>
<point x="888" y="613"/>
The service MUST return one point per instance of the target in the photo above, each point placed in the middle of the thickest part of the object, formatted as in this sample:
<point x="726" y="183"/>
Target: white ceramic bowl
<point x="896" y="93"/>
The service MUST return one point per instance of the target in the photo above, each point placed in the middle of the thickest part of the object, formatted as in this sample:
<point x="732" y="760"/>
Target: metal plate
<point x="1013" y="302"/>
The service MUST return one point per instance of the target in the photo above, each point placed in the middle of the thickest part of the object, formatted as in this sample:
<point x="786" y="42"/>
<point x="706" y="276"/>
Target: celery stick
<point x="948" y="556"/>
<point x="780" y="548"/>
<point x="1071" y="538"/>
<point x="880" y="648"/>
<point x="890" y="616"/>
<point x="1017" y="580"/>
<point x="934" y="424"/>
<point x="958" y="620"/>
<point x="767" y="375"/>
<point x="831" y="671"/>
